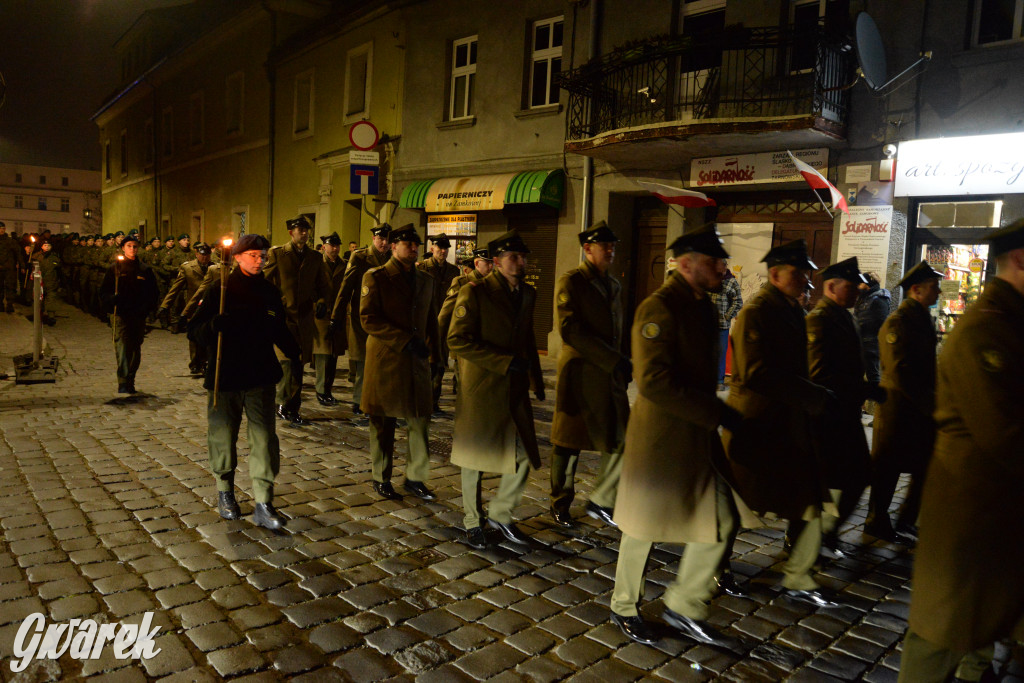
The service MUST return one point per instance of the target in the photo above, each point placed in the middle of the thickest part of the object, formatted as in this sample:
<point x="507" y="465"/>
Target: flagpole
<point x="815" y="191"/>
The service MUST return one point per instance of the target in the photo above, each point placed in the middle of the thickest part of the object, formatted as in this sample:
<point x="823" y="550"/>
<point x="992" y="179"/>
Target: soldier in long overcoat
<point x="904" y="430"/>
<point x="492" y="336"/>
<point x="346" y="305"/>
<point x="297" y="270"/>
<point x="443" y="273"/>
<point x="773" y="464"/>
<point x="398" y="313"/>
<point x="480" y="265"/>
<point x="328" y="344"/>
<point x="191" y="275"/>
<point x="591" y="406"/>
<point x="670" y="491"/>
<point x="968" y="586"/>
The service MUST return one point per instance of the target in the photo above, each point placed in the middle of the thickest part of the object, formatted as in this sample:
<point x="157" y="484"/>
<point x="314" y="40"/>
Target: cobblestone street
<point x="108" y="511"/>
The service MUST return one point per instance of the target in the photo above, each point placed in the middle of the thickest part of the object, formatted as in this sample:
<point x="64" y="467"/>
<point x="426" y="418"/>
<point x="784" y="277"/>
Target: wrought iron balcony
<point x="742" y="74"/>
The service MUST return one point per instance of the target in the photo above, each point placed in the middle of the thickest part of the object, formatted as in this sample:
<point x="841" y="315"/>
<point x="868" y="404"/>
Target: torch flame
<point x="227" y="242"/>
<point x="32" y="237"/>
<point x="120" y="258"/>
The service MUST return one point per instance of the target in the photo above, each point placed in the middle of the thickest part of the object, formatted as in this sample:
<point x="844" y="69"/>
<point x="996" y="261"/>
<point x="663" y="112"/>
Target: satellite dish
<point x="871" y="55"/>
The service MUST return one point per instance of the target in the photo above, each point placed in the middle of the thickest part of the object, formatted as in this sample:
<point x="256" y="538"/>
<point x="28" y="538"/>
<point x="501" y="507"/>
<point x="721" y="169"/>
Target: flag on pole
<point x="819" y="182"/>
<point x="677" y="195"/>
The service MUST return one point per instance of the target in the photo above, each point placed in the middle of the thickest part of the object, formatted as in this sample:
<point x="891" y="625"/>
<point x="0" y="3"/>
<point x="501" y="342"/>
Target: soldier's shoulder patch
<point x="452" y="290"/>
<point x="752" y="336"/>
<point x="650" y="330"/>
<point x="892" y="338"/>
<point x="271" y="312"/>
<point x="992" y="360"/>
<point x="811" y="337"/>
<point x="563" y="298"/>
<point x="365" y="290"/>
<point x="460" y="312"/>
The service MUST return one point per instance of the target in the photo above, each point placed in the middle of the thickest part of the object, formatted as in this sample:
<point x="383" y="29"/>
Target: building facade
<point x="38" y="198"/>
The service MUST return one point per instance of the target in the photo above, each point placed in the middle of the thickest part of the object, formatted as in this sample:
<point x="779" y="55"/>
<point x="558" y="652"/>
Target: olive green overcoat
<point x="444" y="317"/>
<point x="493" y="405"/>
<point x="591" y="406"/>
<point x="346" y="305"/>
<point x="303" y="285"/>
<point x="325" y="341"/>
<point x="443" y="274"/>
<point x="396" y="382"/>
<point x="667" y="491"/>
<point x="968" y="590"/>
<point x="187" y="282"/>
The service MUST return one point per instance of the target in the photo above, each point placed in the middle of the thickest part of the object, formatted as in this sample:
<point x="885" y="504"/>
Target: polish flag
<point x="677" y="195"/>
<point x="819" y="182"/>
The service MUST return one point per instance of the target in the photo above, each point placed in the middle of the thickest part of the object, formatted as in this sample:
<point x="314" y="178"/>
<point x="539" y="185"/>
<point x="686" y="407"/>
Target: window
<point x="42" y="204"/>
<point x="463" y="78"/>
<point x="234" y="95"/>
<point x="124" y="153"/>
<point x="240" y="220"/>
<point x="17" y="177"/>
<point x="65" y="205"/>
<point x="805" y="18"/>
<point x="167" y="132"/>
<point x="149" y="150"/>
<point x="547" y="61"/>
<point x="42" y="180"/>
<point x="42" y="226"/>
<point x="19" y="202"/>
<point x="195" y="120"/>
<point x="64" y="181"/>
<point x="302" y="111"/>
<point x="996" y="21"/>
<point x="358" y="67"/>
<point x="106" y="160"/>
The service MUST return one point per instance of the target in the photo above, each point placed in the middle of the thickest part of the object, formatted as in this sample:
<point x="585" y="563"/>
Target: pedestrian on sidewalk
<point x="728" y="302"/>
<point x="252" y="325"/>
<point x="129" y="292"/>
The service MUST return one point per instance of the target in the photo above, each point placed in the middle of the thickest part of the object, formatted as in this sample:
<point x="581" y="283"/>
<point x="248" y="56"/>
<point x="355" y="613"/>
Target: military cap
<point x="441" y="240"/>
<point x="249" y="243"/>
<point x="133" y="231"/>
<point x="130" y="238"/>
<point x="169" y="238"/>
<point x="155" y="239"/>
<point x="2" y="224"/>
<point x="299" y="221"/>
<point x="109" y="236"/>
<point x="846" y="270"/>
<point x="406" y="233"/>
<point x="703" y="240"/>
<point x="791" y="254"/>
<point x="331" y="239"/>
<point x="600" y="232"/>
<point x="467" y="261"/>
<point x="481" y="253"/>
<point x="1007" y="239"/>
<point x="381" y="230"/>
<point x="918" y="274"/>
<point x="202" y="248"/>
<point x="183" y="236"/>
<point x="119" y="233"/>
<point x="510" y="241"/>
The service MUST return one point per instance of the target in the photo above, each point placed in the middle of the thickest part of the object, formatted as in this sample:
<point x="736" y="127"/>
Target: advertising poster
<point x="864" y="233"/>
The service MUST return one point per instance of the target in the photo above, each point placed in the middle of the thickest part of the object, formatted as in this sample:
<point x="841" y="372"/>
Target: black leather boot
<point x="227" y="506"/>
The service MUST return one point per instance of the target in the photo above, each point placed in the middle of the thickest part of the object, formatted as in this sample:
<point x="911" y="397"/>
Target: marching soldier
<point x="437" y="267"/>
<point x="398" y="313"/>
<point x="591" y="406"/>
<point x="129" y="292"/>
<point x="346" y="306"/>
<point x="49" y="265"/>
<point x="772" y="461"/>
<point x="169" y="265"/>
<point x="190" y="276"/>
<point x="492" y="335"/>
<point x="968" y="591"/>
<point x="836" y="362"/>
<point x="10" y="259"/>
<point x="252" y="325"/>
<point x="297" y="270"/>
<point x="904" y="427"/>
<point x="480" y="266"/>
<point x="328" y="344"/>
<point x="670" y="491"/>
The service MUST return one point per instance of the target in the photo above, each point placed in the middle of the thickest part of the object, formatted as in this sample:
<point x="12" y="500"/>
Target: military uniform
<point x="191" y="275"/>
<point x="968" y="591"/>
<point x="169" y="267"/>
<point x="135" y="296"/>
<point x="492" y="335"/>
<point x="49" y="266"/>
<point x="328" y="344"/>
<point x="397" y="311"/>
<point x="443" y="273"/>
<point x="10" y="258"/>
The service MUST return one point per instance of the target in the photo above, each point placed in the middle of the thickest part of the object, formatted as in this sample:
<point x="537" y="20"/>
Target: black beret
<point x="300" y="221"/>
<point x="510" y="241"/>
<point x="331" y="239"/>
<point x="598" y="233"/>
<point x="183" y="236"/>
<point x="169" y="238"/>
<point x="130" y="238"/>
<point x="406" y="233"/>
<point x="846" y="270"/>
<point x="441" y="240"/>
<point x="381" y="230"/>
<point x="918" y="274"/>
<point x="155" y="239"/>
<point x="703" y="240"/>
<point x="791" y="254"/>
<point x="202" y="248"/>
<point x="119" y="233"/>
<point x="1007" y="239"/>
<point x="249" y="243"/>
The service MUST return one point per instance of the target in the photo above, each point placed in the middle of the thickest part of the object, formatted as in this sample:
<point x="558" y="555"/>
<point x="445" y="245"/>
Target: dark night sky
<point x="58" y="59"/>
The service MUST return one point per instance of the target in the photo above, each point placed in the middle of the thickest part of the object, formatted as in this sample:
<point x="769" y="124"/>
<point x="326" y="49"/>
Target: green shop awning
<point x="485" y="192"/>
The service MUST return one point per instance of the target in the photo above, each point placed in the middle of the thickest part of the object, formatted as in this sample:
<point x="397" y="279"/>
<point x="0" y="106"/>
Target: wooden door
<point x="818" y="236"/>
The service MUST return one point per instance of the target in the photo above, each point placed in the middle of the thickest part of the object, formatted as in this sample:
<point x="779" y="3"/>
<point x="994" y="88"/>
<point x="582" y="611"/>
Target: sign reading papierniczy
<point x="978" y="164"/>
<point x="473" y="193"/>
<point x="751" y="169"/>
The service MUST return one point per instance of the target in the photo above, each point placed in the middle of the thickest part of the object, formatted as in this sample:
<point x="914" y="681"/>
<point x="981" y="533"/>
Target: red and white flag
<point x="677" y="195"/>
<point x="819" y="182"/>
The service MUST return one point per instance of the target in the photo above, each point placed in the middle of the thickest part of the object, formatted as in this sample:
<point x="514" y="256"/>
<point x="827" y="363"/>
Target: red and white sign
<point x="363" y="135"/>
<point x="864" y="233"/>
<point x="753" y="169"/>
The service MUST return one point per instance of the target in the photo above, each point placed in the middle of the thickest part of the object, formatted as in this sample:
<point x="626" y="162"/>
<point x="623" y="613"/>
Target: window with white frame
<point x="358" y="71"/>
<point x="996" y="21"/>
<point x="124" y="152"/>
<point x="546" y="61"/>
<point x="234" y="103"/>
<point x="196" y="131"/>
<point x="149" y="151"/>
<point x="167" y="132"/>
<point x="463" y="78"/>
<point x="302" y="112"/>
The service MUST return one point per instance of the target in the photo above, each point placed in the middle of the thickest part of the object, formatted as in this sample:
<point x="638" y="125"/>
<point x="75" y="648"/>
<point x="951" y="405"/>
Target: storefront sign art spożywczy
<point x="980" y="164"/>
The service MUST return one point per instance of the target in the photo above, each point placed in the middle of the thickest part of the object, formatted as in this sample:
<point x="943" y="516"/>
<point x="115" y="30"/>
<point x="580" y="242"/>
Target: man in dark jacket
<point x="252" y="324"/>
<point x="870" y="312"/>
<point x="129" y="292"/>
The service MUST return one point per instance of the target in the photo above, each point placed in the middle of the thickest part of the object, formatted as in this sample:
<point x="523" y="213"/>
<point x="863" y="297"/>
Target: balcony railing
<point x="742" y="73"/>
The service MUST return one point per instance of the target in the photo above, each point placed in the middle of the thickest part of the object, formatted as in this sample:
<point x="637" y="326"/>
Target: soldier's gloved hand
<point x="321" y="311"/>
<point x="539" y="394"/>
<point x="731" y="418"/>
<point x="877" y="393"/>
<point x="624" y="368"/>
<point x="332" y="326"/>
<point x="518" y="365"/>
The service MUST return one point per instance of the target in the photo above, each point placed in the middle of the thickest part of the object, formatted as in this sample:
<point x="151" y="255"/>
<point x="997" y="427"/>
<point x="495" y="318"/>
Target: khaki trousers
<point x="563" y="478"/>
<point x="128" y="335"/>
<point x="806" y="537"/>
<point x="289" y="388"/>
<point x="507" y="497"/>
<point x="223" y="422"/>
<point x="356" y="367"/>
<point x="382" y="448"/>
<point x="326" y="365"/>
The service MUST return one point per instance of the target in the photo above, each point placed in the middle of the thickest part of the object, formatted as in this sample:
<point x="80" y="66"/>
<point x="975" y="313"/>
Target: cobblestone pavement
<point x="107" y="511"/>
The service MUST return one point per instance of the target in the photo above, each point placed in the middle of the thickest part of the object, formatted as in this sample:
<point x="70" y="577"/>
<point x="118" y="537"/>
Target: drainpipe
<point x="588" y="162"/>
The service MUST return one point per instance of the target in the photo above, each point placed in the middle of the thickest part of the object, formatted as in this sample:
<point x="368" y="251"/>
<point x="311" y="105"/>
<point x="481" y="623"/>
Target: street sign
<point x="364" y="179"/>
<point x="363" y="157"/>
<point x="363" y="135"/>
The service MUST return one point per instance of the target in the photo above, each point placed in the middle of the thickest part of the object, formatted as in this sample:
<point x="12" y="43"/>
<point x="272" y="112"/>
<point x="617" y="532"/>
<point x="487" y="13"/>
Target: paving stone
<point x="881" y="674"/>
<point x="544" y="669"/>
<point x="214" y="636"/>
<point x="317" y="611"/>
<point x="840" y="665"/>
<point x="173" y="657"/>
<point x="78" y="606"/>
<point x="435" y="622"/>
<point x="236" y="660"/>
<point x="198" y="614"/>
<point x="490" y="660"/>
<point x="180" y="595"/>
<point x="581" y="651"/>
<point x="468" y="637"/>
<point x="336" y="637"/>
<point x="641" y="656"/>
<point x="297" y="659"/>
<point x="365" y="664"/>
